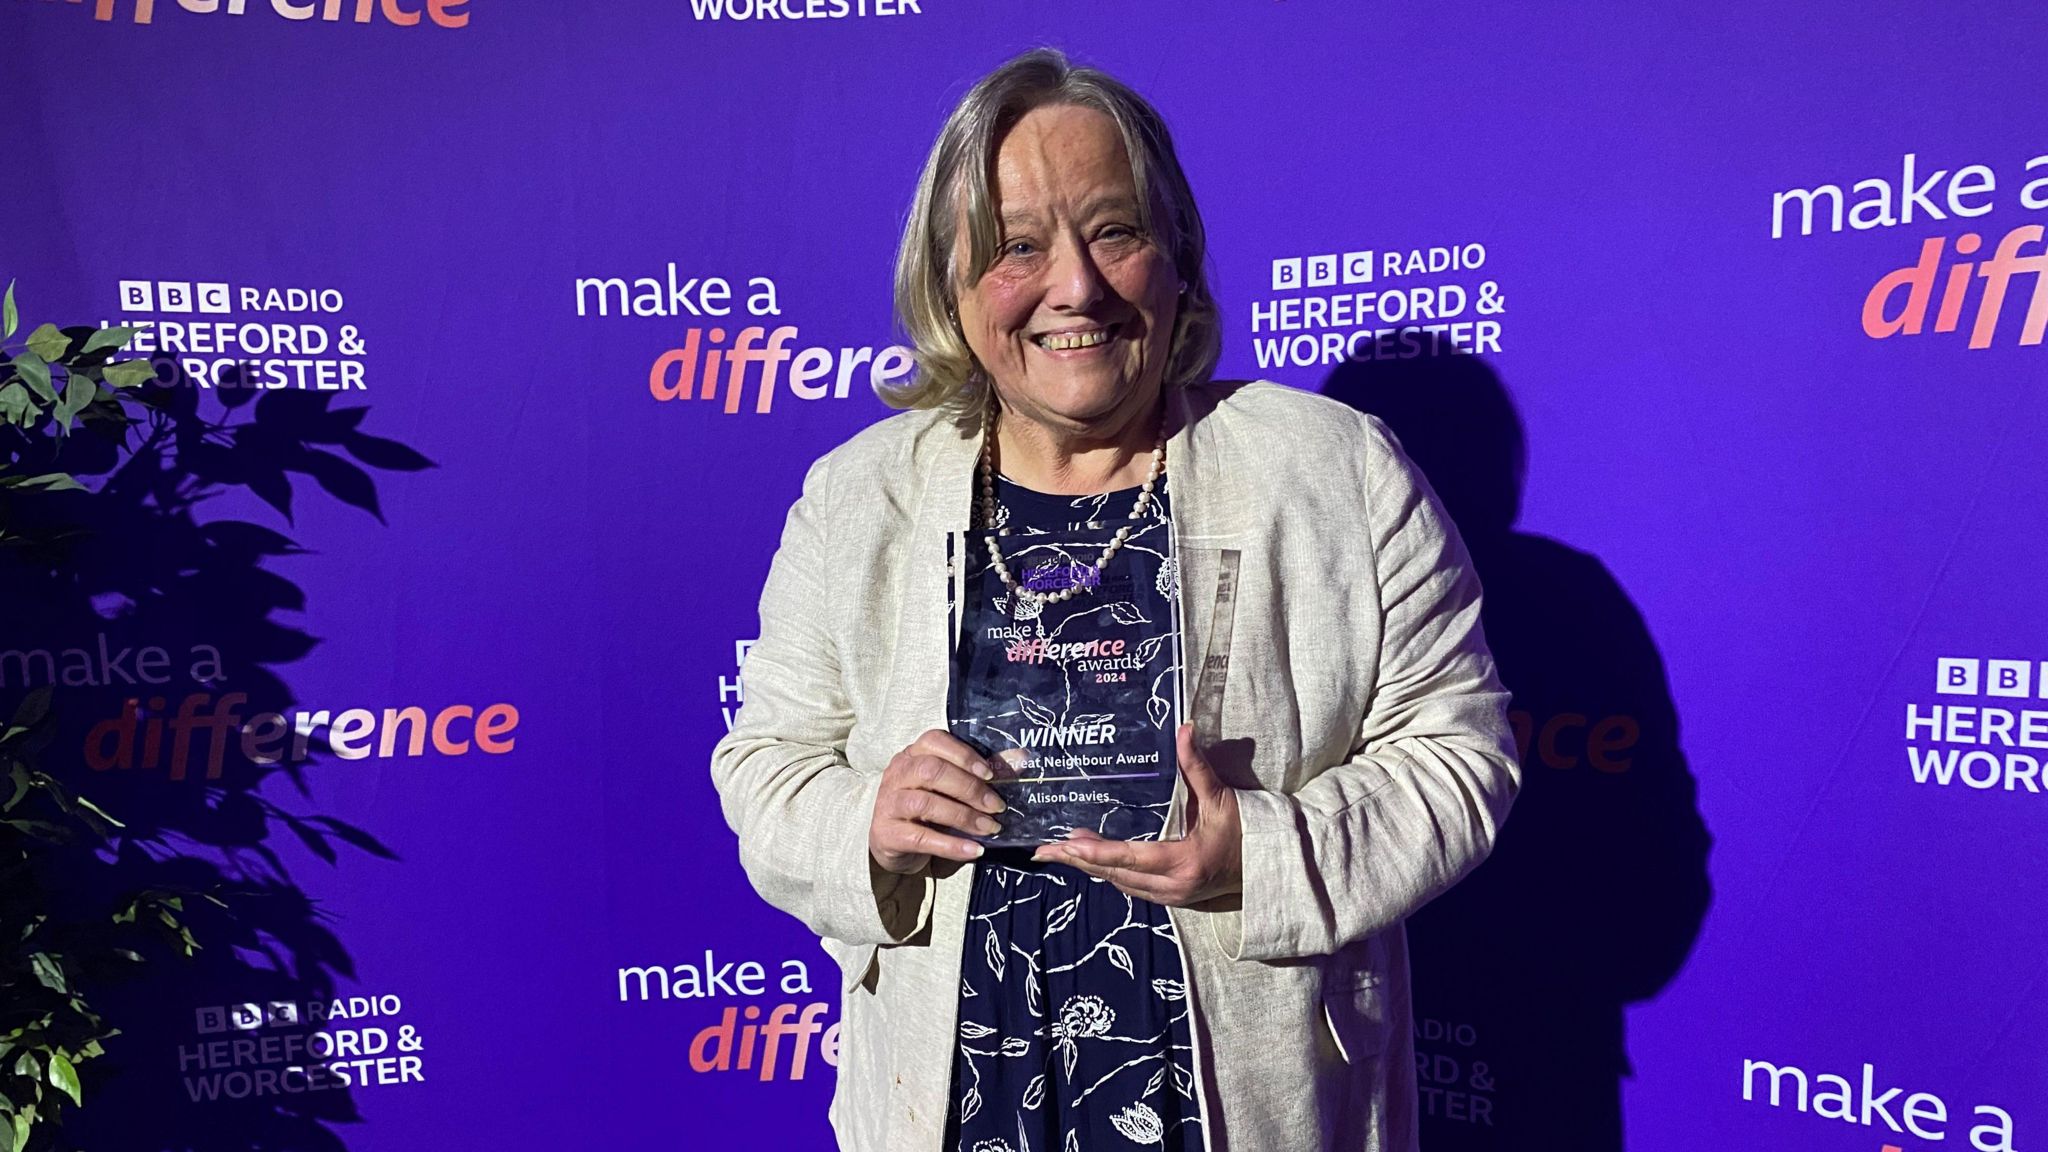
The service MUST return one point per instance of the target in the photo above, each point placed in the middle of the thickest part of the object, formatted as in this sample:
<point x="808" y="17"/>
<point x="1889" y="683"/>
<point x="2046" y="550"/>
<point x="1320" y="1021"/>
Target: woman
<point x="1241" y="981"/>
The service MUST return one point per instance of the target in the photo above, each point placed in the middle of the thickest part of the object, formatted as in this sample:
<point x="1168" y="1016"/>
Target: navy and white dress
<point x="1075" y="1032"/>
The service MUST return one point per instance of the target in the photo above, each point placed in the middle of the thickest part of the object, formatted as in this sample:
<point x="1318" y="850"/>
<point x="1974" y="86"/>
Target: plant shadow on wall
<point x="136" y="607"/>
<point x="1597" y="888"/>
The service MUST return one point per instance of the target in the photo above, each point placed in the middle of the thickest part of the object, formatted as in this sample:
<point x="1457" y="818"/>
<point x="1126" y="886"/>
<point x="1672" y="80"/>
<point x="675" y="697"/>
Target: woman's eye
<point x="1017" y="247"/>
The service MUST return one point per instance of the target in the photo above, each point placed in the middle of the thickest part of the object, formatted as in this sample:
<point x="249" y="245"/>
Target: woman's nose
<point x="1075" y="283"/>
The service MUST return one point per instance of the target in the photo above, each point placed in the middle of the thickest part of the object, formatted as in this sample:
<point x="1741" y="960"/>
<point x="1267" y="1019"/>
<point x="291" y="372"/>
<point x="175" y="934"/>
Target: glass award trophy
<point x="1074" y="702"/>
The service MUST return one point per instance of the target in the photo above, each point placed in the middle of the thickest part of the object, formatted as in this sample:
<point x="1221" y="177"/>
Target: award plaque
<point x="1073" y="701"/>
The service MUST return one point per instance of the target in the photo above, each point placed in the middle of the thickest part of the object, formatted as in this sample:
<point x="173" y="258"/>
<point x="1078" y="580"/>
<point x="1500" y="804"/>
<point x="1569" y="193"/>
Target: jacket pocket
<point x="1355" y="1000"/>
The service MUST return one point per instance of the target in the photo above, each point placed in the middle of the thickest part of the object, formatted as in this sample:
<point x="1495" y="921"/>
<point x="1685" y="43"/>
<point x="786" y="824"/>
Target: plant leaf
<point x="110" y="337"/>
<point x="40" y="829"/>
<point x="16" y="404"/>
<point x="48" y="973"/>
<point x="33" y="707"/>
<point x="96" y="810"/>
<point x="48" y="481"/>
<point x="36" y="372"/>
<point x="128" y="373"/>
<point x="64" y="1076"/>
<point x="47" y="342"/>
<point x="78" y="392"/>
<point x="9" y="318"/>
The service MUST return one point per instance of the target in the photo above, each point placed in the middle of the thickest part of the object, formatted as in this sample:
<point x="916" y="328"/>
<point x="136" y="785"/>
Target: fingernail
<point x="978" y="850"/>
<point x="1000" y="805"/>
<point x="988" y="827"/>
<point x="982" y="770"/>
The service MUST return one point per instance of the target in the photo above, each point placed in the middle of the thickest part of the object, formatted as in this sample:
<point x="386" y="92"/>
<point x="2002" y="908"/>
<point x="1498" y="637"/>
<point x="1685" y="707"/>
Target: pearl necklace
<point x="988" y="509"/>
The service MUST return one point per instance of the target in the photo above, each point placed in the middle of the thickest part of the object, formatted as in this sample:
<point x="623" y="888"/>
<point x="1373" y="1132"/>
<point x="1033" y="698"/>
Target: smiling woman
<point x="1076" y="175"/>
<point x="1079" y="300"/>
<point x="1198" y="960"/>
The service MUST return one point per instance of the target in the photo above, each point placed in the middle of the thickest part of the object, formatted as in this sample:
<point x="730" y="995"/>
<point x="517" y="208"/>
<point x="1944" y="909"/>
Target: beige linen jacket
<point x="1336" y="668"/>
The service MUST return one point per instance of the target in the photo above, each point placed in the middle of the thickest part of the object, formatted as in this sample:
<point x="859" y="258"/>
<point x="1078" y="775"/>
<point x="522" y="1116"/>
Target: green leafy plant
<point x="55" y="381"/>
<point x="59" y="377"/>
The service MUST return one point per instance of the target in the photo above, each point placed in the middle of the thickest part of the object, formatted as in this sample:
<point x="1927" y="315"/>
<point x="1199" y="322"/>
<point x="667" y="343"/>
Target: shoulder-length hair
<point x="957" y="174"/>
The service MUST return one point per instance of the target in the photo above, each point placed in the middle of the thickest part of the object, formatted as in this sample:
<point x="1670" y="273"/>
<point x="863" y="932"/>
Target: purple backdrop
<point x="1757" y="538"/>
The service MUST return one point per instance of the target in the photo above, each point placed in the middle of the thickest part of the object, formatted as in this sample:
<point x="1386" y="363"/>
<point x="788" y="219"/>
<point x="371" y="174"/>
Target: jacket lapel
<point x="1208" y="518"/>
<point x="924" y="634"/>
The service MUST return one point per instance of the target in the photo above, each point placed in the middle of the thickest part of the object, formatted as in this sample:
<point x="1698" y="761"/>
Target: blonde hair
<point x="957" y="173"/>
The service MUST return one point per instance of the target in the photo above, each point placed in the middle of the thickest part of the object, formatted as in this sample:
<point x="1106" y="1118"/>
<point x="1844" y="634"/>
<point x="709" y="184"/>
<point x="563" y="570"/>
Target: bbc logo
<point x="172" y="296"/>
<point x="1960" y="677"/>
<point x="247" y="1017"/>
<point x="1322" y="271"/>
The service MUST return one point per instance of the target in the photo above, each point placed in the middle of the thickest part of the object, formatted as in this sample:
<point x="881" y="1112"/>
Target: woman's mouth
<point x="1075" y="339"/>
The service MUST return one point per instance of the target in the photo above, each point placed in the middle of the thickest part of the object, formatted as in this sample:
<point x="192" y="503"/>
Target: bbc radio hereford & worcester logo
<point x="278" y="1048"/>
<point x="1378" y="304"/>
<point x="1981" y="726"/>
<point x="216" y="334"/>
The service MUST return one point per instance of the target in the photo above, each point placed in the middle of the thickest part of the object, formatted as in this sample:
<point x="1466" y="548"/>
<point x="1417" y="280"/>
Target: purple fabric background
<point x="1805" y="517"/>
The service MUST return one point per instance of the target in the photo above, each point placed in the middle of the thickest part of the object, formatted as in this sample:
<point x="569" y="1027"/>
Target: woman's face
<point x="1074" y="319"/>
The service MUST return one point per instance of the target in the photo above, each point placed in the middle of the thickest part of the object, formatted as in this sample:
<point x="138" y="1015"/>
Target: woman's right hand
<point x="937" y="782"/>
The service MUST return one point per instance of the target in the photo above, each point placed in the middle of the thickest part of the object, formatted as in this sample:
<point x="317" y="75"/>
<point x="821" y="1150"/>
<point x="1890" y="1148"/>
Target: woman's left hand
<point x="1201" y="866"/>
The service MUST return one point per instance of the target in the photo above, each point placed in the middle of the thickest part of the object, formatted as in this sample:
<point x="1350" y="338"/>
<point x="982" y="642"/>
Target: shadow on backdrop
<point x="1597" y="887"/>
<point x="153" y="571"/>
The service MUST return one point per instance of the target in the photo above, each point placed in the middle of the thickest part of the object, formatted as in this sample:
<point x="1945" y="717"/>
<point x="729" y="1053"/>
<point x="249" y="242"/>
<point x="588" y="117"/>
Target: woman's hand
<point x="937" y="782"/>
<point x="1202" y="866"/>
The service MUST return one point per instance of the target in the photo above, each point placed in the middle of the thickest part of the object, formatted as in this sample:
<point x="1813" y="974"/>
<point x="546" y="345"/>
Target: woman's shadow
<point x="1597" y="887"/>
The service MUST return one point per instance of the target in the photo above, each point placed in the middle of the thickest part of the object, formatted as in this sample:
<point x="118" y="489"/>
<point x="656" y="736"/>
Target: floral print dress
<point x="1075" y="1029"/>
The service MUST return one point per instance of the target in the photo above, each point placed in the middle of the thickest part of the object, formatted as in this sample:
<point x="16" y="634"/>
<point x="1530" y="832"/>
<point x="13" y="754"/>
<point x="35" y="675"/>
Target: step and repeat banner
<point x="494" y="339"/>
